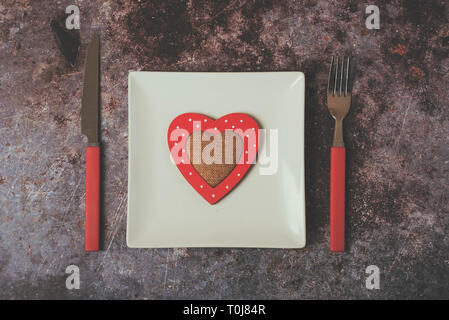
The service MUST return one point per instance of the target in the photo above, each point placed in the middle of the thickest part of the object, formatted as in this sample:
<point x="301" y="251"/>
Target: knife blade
<point x="90" y="113"/>
<point x="90" y="100"/>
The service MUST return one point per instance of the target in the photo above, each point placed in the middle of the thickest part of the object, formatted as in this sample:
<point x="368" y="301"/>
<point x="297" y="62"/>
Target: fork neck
<point x="338" y="133"/>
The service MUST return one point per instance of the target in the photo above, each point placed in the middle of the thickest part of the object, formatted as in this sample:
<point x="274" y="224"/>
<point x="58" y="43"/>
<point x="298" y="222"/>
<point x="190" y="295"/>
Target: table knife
<point x="90" y="109"/>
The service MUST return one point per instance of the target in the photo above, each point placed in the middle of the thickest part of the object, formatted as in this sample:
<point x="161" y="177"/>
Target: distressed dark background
<point x="397" y="134"/>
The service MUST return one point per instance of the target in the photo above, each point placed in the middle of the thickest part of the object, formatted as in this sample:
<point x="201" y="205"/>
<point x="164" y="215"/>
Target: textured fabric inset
<point x="214" y="168"/>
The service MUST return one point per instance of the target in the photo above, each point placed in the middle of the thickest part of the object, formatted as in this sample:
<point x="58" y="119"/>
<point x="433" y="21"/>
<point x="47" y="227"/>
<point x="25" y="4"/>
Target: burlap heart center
<point x="214" y="156"/>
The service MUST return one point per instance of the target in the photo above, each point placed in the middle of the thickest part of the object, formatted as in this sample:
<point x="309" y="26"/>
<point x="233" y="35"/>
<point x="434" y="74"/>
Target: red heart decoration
<point x="186" y="124"/>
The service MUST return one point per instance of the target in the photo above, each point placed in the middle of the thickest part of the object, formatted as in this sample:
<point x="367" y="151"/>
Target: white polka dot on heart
<point x="213" y="196"/>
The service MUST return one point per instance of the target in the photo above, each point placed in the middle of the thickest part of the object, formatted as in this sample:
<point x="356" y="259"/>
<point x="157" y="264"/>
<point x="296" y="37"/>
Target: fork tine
<point x="347" y="77"/>
<point x="330" y="75"/>
<point x="336" y="75"/>
<point x="341" y="74"/>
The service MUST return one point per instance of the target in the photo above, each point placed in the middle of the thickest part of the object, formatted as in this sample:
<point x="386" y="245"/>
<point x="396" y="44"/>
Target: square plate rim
<point x="300" y="76"/>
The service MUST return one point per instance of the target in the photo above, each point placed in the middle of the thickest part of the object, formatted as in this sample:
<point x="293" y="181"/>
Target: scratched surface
<point x="397" y="134"/>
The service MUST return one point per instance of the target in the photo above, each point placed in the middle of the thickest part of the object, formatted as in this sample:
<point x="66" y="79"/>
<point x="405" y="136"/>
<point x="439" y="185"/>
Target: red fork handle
<point x="337" y="203"/>
<point x="92" y="218"/>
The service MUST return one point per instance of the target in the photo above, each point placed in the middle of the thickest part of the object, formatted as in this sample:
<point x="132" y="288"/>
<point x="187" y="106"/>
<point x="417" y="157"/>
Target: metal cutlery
<point x="338" y="102"/>
<point x="90" y="111"/>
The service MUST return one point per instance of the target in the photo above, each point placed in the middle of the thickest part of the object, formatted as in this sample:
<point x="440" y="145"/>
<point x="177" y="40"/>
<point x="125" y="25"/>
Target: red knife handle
<point x="337" y="203"/>
<point x="92" y="218"/>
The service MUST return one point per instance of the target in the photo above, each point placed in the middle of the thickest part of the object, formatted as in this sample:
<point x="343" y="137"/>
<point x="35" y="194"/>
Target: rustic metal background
<point x="397" y="134"/>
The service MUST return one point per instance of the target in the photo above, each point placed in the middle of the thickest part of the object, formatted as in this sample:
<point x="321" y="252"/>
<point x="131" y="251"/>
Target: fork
<point x="338" y="102"/>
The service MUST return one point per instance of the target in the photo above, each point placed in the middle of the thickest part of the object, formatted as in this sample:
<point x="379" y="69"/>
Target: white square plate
<point x="265" y="211"/>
